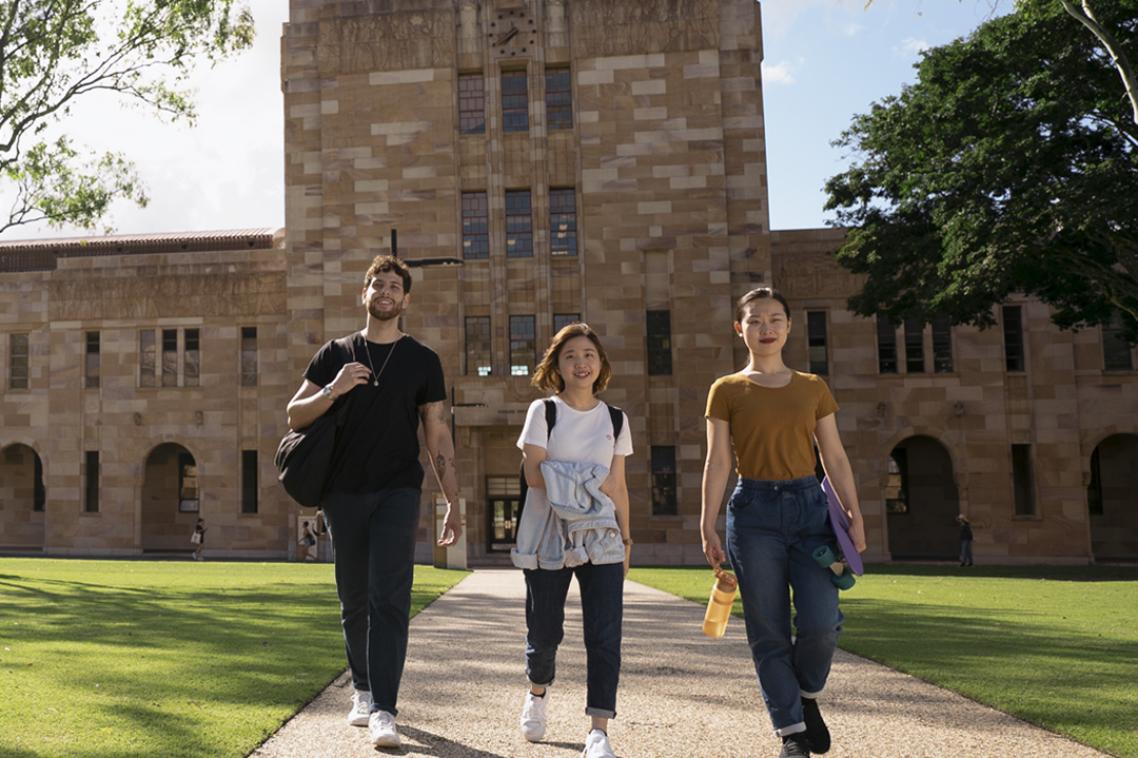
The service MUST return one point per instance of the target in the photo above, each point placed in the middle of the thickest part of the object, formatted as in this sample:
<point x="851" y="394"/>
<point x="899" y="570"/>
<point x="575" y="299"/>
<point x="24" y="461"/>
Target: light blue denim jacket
<point x="571" y="522"/>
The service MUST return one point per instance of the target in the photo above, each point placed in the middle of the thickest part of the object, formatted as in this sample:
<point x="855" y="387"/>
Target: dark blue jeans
<point x="602" y="608"/>
<point x="772" y="529"/>
<point x="374" y="538"/>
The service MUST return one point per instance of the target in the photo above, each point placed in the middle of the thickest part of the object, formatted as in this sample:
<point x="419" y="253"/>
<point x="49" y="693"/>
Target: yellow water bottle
<point x="719" y="604"/>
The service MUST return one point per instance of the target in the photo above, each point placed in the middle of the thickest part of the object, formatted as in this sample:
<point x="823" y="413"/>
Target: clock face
<point x="512" y="33"/>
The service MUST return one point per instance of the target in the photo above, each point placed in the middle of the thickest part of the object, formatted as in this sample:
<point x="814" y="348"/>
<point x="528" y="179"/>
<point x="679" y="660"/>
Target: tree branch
<point x="1121" y="62"/>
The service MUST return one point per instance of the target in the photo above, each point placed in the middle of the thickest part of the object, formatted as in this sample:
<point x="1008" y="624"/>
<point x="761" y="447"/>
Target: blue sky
<point x="825" y="61"/>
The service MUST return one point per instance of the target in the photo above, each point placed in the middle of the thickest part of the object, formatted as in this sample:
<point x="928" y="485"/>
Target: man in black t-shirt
<point x="391" y="383"/>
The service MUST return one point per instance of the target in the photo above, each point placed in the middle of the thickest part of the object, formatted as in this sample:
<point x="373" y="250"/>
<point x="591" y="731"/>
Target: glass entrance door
<point x="503" y="507"/>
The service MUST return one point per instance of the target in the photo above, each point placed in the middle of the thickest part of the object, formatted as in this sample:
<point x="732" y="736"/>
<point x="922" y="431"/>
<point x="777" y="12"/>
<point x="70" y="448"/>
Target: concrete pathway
<point x="680" y="694"/>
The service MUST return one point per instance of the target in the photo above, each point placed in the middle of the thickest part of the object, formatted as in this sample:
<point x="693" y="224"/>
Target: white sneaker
<point x="597" y="745"/>
<point x="381" y="729"/>
<point x="533" y="716"/>
<point x="361" y="708"/>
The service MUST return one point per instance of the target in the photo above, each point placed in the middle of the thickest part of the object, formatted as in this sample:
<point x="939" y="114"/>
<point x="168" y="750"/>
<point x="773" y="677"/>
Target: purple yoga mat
<point x="841" y="524"/>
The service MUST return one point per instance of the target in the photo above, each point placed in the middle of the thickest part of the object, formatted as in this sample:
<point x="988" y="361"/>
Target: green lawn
<point x="117" y="658"/>
<point x="1057" y="646"/>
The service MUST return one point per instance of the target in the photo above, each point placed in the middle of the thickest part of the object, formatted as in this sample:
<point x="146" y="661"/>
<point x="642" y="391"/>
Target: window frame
<point x="515" y="105"/>
<point x="517" y="345"/>
<point x="558" y="115"/>
<point x="519" y="224"/>
<point x="814" y="317"/>
<point x="473" y="367"/>
<point x="658" y="339"/>
<point x="561" y="213"/>
<point x="471" y="119"/>
<point x="475" y="226"/>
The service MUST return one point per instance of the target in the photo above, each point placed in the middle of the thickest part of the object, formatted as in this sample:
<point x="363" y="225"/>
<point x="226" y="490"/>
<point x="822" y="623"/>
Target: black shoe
<point x="816" y="731"/>
<point x="795" y="746"/>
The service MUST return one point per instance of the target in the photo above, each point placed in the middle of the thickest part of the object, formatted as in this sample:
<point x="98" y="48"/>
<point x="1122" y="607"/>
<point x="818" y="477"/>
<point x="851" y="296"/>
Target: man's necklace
<point x="367" y="352"/>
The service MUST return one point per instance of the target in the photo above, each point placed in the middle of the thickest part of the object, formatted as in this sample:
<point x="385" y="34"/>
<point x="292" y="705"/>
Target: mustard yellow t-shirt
<point x="772" y="428"/>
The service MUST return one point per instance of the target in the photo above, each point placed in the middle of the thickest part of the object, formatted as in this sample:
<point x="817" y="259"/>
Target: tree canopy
<point x="53" y="53"/>
<point x="1011" y="165"/>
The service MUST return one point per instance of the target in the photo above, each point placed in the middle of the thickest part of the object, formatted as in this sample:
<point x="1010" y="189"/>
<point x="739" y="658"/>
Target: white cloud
<point x="778" y="73"/>
<point x="853" y="29"/>
<point x="913" y="46"/>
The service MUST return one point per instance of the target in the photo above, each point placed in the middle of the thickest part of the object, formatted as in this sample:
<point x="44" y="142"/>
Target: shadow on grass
<point x="1073" y="684"/>
<point x="162" y="661"/>
<point x="1088" y="573"/>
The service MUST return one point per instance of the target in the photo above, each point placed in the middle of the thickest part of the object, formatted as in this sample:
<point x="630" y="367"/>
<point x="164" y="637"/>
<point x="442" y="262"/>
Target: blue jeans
<point x="374" y="538"/>
<point x="602" y="608"/>
<point x="772" y="529"/>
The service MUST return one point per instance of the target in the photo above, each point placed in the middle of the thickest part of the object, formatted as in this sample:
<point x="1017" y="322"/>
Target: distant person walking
<point x="308" y="541"/>
<point x="197" y="538"/>
<point x="965" y="540"/>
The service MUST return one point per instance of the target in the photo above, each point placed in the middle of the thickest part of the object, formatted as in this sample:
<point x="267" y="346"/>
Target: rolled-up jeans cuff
<point x="540" y="684"/>
<point x="601" y="713"/>
<point x="792" y="729"/>
<point x="810" y="695"/>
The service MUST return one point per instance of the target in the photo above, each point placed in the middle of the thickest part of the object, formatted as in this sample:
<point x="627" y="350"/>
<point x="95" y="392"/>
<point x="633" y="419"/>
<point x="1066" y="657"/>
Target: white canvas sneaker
<point x="361" y="708"/>
<point x="597" y="745"/>
<point x="533" y="716"/>
<point x="381" y="729"/>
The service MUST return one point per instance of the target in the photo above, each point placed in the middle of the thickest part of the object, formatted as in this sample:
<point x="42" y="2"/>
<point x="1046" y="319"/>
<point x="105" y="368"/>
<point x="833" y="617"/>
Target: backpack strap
<point x="616" y="415"/>
<point x="550" y="417"/>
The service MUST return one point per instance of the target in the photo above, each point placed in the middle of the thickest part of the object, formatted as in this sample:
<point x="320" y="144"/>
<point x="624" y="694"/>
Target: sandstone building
<point x="583" y="159"/>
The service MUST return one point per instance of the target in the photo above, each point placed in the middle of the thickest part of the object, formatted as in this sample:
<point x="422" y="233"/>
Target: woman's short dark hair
<point x="547" y="377"/>
<point x="760" y="293"/>
<point x="385" y="264"/>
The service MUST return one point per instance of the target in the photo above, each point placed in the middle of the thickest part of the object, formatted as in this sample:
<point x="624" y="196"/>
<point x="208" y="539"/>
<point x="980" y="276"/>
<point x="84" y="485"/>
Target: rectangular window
<point x="663" y="480"/>
<point x="18" y="361"/>
<point x="563" y="221"/>
<point x="146" y="359"/>
<point x="39" y="494"/>
<point x="515" y="102"/>
<point x="659" y="343"/>
<point x="188" y="501"/>
<point x="1094" y="489"/>
<point x="519" y="224"/>
<point x="91" y="481"/>
<point x="191" y="358"/>
<point x="479" y="350"/>
<point x="914" y="346"/>
<point x="816" y="341"/>
<point x="942" y="345"/>
<point x="523" y="350"/>
<point x="558" y="98"/>
<point x="562" y="320"/>
<point x="886" y="345"/>
<point x="471" y="104"/>
<point x="1024" y="480"/>
<point x="1013" y="337"/>
<point x="475" y="226"/>
<point x="1117" y="354"/>
<point x="248" y="356"/>
<point x="169" y="357"/>
<point x="248" y="481"/>
<point x="91" y="360"/>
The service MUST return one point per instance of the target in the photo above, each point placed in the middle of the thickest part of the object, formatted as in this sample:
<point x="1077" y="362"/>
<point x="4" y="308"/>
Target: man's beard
<point x="376" y="313"/>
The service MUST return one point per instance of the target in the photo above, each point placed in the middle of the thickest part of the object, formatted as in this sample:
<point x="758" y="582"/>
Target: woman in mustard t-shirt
<point x="777" y="516"/>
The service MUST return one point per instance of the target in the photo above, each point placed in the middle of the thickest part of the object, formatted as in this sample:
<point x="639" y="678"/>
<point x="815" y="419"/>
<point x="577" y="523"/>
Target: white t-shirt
<point x="578" y="436"/>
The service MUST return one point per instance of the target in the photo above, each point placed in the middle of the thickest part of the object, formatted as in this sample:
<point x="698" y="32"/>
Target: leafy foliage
<point x="1011" y="165"/>
<point x="55" y="52"/>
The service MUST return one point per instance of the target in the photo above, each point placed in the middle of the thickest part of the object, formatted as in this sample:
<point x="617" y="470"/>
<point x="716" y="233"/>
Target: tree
<point x="1011" y="165"/>
<point x="53" y="53"/>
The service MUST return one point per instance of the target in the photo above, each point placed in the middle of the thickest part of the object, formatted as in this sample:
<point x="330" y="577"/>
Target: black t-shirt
<point x="378" y="447"/>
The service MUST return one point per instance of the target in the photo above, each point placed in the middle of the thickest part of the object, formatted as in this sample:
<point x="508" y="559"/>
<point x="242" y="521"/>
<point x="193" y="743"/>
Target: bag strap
<point x="616" y="415"/>
<point x="550" y="417"/>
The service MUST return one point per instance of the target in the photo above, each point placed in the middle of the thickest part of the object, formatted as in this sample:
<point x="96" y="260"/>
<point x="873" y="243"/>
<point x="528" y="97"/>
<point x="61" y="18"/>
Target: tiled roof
<point x="42" y="254"/>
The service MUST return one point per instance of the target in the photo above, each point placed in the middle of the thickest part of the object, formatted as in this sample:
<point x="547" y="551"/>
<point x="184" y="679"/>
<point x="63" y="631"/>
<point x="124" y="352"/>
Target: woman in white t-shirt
<point x="575" y="368"/>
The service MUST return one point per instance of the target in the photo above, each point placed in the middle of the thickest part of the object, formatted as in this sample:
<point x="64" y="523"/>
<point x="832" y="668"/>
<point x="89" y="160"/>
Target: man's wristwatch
<point x="326" y="391"/>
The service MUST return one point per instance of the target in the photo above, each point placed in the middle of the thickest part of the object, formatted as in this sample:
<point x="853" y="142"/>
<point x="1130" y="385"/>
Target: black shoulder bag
<point x="304" y="457"/>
